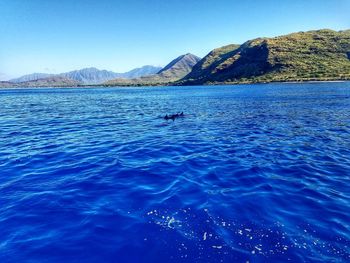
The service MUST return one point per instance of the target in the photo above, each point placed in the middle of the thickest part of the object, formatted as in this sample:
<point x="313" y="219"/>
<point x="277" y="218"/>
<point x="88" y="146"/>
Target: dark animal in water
<point x="173" y="116"/>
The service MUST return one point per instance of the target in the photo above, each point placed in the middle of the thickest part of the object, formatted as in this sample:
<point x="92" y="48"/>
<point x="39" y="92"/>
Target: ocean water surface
<point x="251" y="173"/>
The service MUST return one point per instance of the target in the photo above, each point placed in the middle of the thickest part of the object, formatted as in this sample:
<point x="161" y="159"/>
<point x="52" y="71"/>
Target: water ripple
<point x="252" y="173"/>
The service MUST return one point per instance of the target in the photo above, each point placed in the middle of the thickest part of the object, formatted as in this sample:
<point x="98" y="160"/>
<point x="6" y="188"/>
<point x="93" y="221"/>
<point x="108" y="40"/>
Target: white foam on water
<point x="258" y="241"/>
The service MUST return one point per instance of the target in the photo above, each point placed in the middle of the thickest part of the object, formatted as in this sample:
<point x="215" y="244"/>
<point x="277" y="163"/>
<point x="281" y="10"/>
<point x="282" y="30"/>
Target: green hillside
<point x="313" y="55"/>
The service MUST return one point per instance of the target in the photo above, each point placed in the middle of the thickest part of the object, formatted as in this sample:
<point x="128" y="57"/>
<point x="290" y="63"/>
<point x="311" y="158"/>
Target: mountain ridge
<point x="314" y="55"/>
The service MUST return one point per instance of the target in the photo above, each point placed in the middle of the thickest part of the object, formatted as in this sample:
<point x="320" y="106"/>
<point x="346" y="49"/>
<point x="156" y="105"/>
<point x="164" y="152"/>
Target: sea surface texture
<point x="251" y="173"/>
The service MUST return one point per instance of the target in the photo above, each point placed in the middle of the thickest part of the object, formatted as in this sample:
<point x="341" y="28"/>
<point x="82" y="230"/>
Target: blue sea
<point x="251" y="173"/>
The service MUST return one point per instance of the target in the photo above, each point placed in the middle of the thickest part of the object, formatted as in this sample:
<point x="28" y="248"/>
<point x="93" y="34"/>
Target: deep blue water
<point x="252" y="173"/>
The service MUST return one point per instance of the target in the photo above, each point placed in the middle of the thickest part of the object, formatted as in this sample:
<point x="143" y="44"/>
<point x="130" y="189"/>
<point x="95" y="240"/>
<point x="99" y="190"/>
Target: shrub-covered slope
<point x="312" y="55"/>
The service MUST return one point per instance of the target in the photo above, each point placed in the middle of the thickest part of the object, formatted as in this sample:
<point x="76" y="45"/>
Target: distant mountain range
<point x="175" y="70"/>
<point x="90" y="75"/>
<point x="303" y="56"/>
<point x="146" y="75"/>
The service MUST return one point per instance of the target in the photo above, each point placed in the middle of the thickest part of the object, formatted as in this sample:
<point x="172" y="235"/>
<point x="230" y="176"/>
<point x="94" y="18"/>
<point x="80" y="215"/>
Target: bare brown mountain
<point x="175" y="70"/>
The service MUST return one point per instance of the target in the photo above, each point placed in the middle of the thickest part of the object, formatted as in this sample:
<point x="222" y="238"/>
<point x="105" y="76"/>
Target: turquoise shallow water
<point x="257" y="173"/>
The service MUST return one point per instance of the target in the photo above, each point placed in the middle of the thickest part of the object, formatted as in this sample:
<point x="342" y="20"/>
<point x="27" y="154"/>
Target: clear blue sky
<point x="61" y="35"/>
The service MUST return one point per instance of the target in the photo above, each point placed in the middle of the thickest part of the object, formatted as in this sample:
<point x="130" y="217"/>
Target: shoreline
<point x="171" y="85"/>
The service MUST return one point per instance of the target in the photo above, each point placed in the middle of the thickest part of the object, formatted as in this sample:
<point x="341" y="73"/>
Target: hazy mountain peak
<point x="140" y="72"/>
